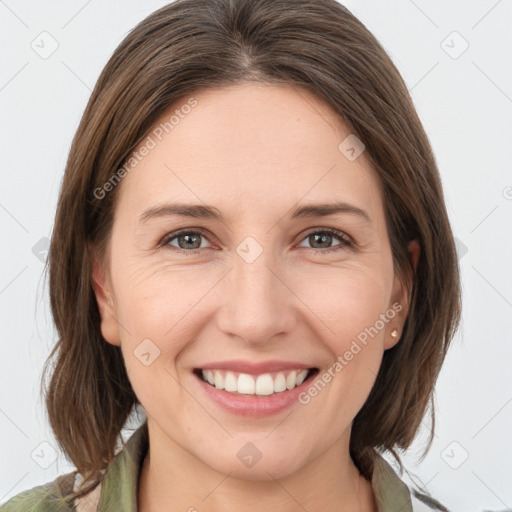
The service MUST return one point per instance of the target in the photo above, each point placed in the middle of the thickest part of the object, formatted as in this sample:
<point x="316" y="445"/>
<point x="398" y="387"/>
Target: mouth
<point x="264" y="384"/>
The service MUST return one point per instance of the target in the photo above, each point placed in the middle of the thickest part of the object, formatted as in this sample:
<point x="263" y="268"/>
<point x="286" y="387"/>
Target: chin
<point x="256" y="460"/>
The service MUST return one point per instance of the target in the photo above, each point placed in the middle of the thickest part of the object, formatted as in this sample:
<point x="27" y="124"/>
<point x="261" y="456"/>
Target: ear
<point x="104" y="297"/>
<point x="401" y="297"/>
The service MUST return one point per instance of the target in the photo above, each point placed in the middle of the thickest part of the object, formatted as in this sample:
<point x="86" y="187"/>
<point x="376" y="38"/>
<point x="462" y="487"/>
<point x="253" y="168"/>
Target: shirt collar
<point x="119" y="487"/>
<point x="391" y="494"/>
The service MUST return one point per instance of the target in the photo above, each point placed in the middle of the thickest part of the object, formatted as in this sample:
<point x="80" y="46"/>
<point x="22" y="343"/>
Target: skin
<point x="255" y="152"/>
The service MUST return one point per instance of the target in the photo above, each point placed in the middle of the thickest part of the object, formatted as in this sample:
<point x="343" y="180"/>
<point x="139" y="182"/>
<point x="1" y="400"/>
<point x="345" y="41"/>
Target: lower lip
<point x="254" y="405"/>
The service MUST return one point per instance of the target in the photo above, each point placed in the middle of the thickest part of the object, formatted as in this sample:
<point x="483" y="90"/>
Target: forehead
<point x="250" y="145"/>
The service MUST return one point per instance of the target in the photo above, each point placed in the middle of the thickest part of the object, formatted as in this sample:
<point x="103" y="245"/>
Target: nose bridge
<point x="257" y="304"/>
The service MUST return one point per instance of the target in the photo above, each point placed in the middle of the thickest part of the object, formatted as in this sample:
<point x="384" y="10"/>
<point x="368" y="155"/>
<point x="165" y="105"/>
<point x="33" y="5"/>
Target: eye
<point x="323" y="238"/>
<point x="191" y="242"/>
<point x="188" y="242"/>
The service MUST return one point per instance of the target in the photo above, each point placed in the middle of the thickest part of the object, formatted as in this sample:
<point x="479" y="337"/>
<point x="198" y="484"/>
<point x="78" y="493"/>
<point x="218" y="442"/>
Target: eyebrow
<point x="210" y="212"/>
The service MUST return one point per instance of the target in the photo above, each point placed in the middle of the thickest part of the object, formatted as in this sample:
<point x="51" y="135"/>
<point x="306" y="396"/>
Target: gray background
<point x="464" y="98"/>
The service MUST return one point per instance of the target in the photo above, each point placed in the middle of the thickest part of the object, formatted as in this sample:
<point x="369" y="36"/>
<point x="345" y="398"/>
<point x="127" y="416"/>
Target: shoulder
<point x="43" y="498"/>
<point x="116" y="485"/>
<point x="424" y="503"/>
<point x="395" y="490"/>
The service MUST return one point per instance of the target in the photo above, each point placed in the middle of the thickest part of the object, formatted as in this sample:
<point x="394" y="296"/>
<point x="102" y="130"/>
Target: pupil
<point x="325" y="238"/>
<point x="188" y="239"/>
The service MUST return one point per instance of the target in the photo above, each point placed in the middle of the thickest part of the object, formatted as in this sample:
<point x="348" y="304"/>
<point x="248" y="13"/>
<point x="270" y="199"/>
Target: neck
<point x="174" y="478"/>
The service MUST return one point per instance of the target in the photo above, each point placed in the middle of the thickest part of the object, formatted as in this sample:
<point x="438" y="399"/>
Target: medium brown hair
<point x="192" y="45"/>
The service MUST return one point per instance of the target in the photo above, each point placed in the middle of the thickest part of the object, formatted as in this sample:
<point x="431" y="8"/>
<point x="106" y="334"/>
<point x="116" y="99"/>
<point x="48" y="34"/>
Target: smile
<point x="262" y="385"/>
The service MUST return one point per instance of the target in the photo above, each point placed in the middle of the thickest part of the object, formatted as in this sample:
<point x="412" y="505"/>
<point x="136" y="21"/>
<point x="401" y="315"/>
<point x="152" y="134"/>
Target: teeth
<point x="246" y="384"/>
<point x="301" y="377"/>
<point x="279" y="383"/>
<point x="219" y="380"/>
<point x="265" y="384"/>
<point x="230" y="383"/>
<point x="291" y="380"/>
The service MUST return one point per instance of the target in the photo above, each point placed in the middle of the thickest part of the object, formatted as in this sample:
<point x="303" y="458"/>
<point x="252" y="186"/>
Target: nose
<point x="257" y="302"/>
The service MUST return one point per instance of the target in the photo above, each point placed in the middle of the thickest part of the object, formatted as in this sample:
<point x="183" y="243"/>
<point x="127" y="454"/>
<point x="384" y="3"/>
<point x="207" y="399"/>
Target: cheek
<point x="347" y="301"/>
<point x="157" y="300"/>
<point x="162" y="310"/>
<point x="356" y="348"/>
<point x="159" y="312"/>
<point x="351" y="307"/>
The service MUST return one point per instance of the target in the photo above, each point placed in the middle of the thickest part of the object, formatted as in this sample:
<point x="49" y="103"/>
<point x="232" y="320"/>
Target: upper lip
<point x="255" y="368"/>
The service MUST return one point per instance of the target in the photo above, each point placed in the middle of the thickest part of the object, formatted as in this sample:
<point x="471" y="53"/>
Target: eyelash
<point x="346" y="241"/>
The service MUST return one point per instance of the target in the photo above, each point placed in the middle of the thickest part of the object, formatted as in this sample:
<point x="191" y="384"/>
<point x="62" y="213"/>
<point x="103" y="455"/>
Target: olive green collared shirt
<point x="118" y="489"/>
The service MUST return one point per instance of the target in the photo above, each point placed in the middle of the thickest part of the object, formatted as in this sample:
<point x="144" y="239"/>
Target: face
<point x="252" y="278"/>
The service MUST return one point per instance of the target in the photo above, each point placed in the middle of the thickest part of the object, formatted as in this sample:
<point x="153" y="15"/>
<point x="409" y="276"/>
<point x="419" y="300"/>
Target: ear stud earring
<point x="394" y="333"/>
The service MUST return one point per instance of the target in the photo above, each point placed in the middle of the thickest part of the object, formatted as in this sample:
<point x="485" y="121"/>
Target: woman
<point x="251" y="245"/>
